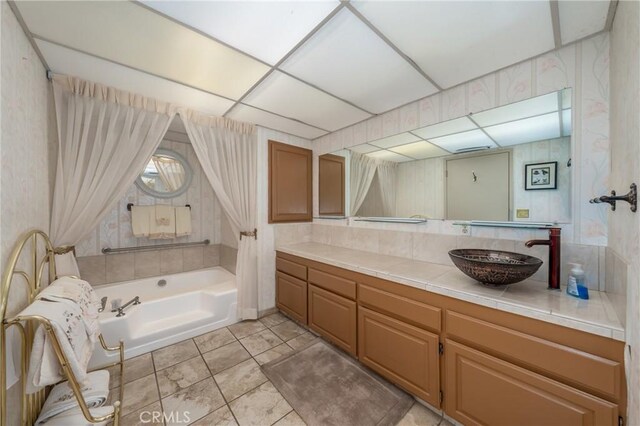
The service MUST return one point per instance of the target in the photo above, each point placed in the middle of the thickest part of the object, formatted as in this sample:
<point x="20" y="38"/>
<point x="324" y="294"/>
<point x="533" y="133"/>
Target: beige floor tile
<point x="260" y="342"/>
<point x="182" y="375"/>
<point x="214" y="340"/>
<point x="246" y="328"/>
<point x="273" y="319"/>
<point x="262" y="406"/>
<point x="273" y="353"/>
<point x="171" y="355"/>
<point x="148" y="415"/>
<point x="225" y="357"/>
<point x="139" y="393"/>
<point x="291" y="419"/>
<point x="221" y="417"/>
<point x="134" y="368"/>
<point x="240" y="379"/>
<point x="288" y="330"/>
<point x="420" y="415"/>
<point x="301" y="340"/>
<point x="194" y="402"/>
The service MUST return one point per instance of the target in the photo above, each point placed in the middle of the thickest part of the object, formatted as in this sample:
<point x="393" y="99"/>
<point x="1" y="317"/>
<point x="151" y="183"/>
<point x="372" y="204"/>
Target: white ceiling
<point x="305" y="68"/>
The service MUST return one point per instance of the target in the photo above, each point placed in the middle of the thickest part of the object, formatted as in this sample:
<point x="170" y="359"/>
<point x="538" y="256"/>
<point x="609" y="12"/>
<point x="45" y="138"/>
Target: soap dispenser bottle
<point x="576" y="279"/>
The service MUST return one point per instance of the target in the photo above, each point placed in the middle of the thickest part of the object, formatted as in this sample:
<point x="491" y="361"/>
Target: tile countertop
<point x="528" y="298"/>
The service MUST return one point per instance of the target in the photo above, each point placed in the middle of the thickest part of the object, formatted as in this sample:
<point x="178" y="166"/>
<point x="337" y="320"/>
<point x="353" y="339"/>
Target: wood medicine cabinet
<point x="290" y="196"/>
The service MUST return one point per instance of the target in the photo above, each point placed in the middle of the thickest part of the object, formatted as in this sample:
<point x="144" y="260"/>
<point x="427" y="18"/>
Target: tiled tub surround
<point x="217" y="378"/>
<point x="111" y="268"/>
<point x="529" y="298"/>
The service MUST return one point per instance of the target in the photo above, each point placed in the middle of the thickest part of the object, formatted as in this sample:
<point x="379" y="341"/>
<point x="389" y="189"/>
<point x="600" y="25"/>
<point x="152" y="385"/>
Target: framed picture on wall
<point x="540" y="176"/>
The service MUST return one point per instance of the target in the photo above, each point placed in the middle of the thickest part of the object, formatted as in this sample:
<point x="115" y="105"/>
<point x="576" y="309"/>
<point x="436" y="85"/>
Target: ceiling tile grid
<point x="371" y="57"/>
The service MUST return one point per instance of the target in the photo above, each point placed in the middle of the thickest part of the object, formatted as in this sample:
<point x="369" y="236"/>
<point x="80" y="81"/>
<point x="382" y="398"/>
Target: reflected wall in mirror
<point x="166" y="175"/>
<point x="469" y="168"/>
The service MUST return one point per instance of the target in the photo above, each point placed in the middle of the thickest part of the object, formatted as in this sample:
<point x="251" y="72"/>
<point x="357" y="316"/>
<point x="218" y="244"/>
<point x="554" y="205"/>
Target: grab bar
<point x="108" y="250"/>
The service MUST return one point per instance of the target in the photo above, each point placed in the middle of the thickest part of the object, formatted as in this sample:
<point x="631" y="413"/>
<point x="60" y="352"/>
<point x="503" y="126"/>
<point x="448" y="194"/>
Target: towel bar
<point x="109" y="250"/>
<point x="131" y="205"/>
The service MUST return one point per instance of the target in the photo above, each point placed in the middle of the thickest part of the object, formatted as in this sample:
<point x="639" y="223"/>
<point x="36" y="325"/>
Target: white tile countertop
<point x="528" y="298"/>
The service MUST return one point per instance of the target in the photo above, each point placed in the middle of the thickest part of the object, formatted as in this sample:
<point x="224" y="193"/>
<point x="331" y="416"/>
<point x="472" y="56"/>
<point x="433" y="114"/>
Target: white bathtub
<point x="190" y="304"/>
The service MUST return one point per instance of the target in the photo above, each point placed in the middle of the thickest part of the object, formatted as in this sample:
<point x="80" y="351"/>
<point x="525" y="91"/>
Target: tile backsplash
<point x="434" y="248"/>
<point x="111" y="268"/>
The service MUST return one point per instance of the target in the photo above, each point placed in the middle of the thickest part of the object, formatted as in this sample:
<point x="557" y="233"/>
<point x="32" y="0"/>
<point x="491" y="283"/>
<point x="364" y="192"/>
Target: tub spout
<point x="554" y="256"/>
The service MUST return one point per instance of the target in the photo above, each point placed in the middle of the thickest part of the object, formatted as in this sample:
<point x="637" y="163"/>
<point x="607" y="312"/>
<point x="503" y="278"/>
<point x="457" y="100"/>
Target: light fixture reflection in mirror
<point x="166" y="175"/>
<point x="472" y="167"/>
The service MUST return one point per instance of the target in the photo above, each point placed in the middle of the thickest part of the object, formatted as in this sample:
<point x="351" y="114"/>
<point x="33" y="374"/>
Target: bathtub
<point x="189" y="304"/>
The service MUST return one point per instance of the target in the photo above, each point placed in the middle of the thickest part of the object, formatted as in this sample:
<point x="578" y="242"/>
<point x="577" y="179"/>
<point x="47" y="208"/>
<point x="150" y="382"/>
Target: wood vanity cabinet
<point x="291" y="288"/>
<point x="481" y="365"/>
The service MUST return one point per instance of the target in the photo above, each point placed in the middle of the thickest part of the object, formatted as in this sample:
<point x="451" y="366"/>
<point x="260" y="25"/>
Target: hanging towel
<point x="95" y="392"/>
<point x="74" y="417"/>
<point x="71" y="307"/>
<point x="66" y="265"/>
<point x="183" y="221"/>
<point x="164" y="225"/>
<point x="140" y="219"/>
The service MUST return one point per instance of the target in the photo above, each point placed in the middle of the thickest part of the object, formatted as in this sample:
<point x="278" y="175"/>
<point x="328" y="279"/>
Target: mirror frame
<point x="188" y="176"/>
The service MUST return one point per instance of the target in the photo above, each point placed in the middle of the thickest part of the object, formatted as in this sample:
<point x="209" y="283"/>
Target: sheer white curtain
<point x="386" y="172"/>
<point x="106" y="137"/>
<point x="227" y="151"/>
<point x="171" y="172"/>
<point x="362" y="169"/>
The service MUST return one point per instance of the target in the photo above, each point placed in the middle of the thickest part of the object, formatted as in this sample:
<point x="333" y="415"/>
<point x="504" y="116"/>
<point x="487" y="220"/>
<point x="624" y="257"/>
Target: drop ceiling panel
<point x="457" y="41"/>
<point x="420" y="150"/>
<point x="518" y="110"/>
<point x="134" y="36"/>
<point x="272" y="121"/>
<point x="445" y="128"/>
<point x="464" y="141"/>
<point x="67" y="61"/>
<point x="579" y="19"/>
<point x="389" y="156"/>
<point x="395" y="140"/>
<point x="289" y="97"/>
<point x="265" y="30"/>
<point x="348" y="59"/>
<point x="365" y="148"/>
<point x="528" y="130"/>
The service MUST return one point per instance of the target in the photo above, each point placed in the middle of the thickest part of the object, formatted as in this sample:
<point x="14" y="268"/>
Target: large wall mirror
<point x="166" y="175"/>
<point x="511" y="163"/>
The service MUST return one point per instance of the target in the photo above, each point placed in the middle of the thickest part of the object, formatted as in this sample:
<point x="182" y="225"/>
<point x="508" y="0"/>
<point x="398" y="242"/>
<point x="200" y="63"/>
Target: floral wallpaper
<point x="583" y="66"/>
<point x="115" y="229"/>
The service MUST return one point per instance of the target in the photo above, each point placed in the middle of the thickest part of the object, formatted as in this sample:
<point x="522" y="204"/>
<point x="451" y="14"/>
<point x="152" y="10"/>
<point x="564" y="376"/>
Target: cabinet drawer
<point x="580" y="369"/>
<point x="483" y="390"/>
<point x="334" y="317"/>
<point x="409" y="310"/>
<point x="291" y="268"/>
<point x="404" y="354"/>
<point x="338" y="285"/>
<point x="291" y="296"/>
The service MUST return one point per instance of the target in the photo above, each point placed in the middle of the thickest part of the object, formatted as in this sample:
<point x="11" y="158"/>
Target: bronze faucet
<point x="554" y="256"/>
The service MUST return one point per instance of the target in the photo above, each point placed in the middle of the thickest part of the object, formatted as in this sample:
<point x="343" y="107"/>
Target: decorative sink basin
<point x="494" y="267"/>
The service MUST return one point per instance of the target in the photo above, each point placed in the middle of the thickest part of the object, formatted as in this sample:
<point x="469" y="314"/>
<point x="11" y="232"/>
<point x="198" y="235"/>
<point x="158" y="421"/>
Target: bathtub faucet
<point x="120" y="310"/>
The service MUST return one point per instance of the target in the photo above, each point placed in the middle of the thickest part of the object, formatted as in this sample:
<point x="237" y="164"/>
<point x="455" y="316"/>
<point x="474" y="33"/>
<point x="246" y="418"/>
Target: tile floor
<point x="216" y="378"/>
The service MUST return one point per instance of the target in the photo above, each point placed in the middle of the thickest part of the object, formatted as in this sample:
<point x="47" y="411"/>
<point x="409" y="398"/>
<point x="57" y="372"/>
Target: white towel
<point x="183" y="221"/>
<point x="95" y="392"/>
<point x="164" y="225"/>
<point x="66" y="265"/>
<point x="75" y="325"/>
<point x="74" y="417"/>
<point x="140" y="218"/>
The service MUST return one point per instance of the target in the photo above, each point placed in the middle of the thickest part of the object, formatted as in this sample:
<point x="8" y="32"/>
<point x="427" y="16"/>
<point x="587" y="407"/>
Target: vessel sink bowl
<point x="494" y="267"/>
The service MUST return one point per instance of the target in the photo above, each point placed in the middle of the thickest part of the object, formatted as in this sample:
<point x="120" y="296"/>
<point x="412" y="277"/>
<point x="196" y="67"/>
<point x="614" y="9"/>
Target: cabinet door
<point x="483" y="390"/>
<point x="331" y="185"/>
<point x="291" y="296"/>
<point x="406" y="355"/>
<point x="334" y="317"/>
<point x="289" y="183"/>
